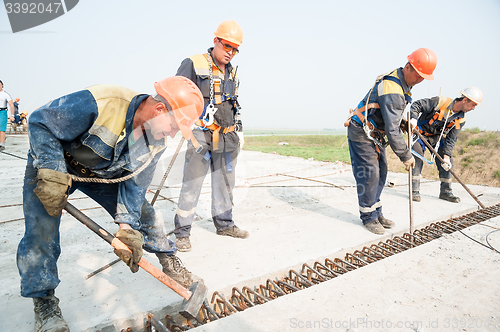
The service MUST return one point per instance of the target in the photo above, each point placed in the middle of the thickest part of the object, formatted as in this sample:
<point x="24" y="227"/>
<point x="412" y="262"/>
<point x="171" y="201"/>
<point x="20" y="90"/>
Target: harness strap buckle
<point x="208" y="118"/>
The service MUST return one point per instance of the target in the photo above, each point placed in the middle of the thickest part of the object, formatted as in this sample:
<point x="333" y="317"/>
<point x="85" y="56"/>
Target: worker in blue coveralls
<point x="217" y="138"/>
<point x="385" y="103"/>
<point x="105" y="132"/>
<point x="439" y="119"/>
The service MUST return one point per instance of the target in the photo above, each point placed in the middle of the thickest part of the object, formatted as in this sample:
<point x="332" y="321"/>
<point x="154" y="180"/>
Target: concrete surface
<point x="291" y="221"/>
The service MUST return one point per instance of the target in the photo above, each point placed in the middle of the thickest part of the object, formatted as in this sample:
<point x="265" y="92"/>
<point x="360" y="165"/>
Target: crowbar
<point x="193" y="298"/>
<point x="431" y="149"/>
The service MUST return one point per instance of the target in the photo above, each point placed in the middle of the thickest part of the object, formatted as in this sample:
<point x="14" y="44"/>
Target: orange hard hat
<point x="17" y="99"/>
<point x="424" y="61"/>
<point x="185" y="99"/>
<point x="231" y="31"/>
<point x="25" y="112"/>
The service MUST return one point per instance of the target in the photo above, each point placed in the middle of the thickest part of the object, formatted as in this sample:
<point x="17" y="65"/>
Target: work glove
<point x="51" y="190"/>
<point x="133" y="240"/>
<point x="242" y="139"/>
<point x="446" y="165"/>
<point x="413" y="123"/>
<point x="409" y="164"/>
<point x="404" y="125"/>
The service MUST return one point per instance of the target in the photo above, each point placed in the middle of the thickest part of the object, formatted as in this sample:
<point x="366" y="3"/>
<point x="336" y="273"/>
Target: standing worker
<point x="440" y="119"/>
<point x="16" y="106"/>
<point x="385" y="102"/>
<point x="217" y="137"/>
<point x="105" y="132"/>
<point x="4" y="100"/>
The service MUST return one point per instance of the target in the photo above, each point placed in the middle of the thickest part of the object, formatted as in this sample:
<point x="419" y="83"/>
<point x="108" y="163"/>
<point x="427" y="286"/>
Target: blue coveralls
<point x="424" y="110"/>
<point x="95" y="127"/>
<point x="369" y="162"/>
<point x="221" y="162"/>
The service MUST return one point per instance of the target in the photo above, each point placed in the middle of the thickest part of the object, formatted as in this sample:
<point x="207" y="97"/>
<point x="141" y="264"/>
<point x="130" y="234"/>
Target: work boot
<point x="386" y="223"/>
<point x="48" y="316"/>
<point x="448" y="196"/>
<point x="416" y="196"/>
<point x="234" y="232"/>
<point x="183" y="244"/>
<point x="2" y="147"/>
<point x="173" y="267"/>
<point x="375" y="227"/>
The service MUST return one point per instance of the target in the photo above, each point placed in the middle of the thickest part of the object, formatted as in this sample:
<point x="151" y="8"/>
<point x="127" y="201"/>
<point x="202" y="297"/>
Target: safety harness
<point x="441" y="111"/>
<point x="207" y="120"/>
<point x="377" y="136"/>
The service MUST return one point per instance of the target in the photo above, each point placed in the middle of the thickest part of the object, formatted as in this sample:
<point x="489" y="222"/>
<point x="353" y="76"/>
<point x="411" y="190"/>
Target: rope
<point x="152" y="154"/>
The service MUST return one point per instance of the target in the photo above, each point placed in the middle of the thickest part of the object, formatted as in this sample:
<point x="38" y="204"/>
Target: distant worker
<point x="440" y="119"/>
<point x="385" y="103"/>
<point x="108" y="132"/>
<point x="4" y="100"/>
<point x="19" y="120"/>
<point x="16" y="106"/>
<point x="217" y="138"/>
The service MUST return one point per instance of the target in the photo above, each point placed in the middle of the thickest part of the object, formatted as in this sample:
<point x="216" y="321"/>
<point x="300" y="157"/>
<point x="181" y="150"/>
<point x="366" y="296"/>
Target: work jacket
<point x="94" y="126"/>
<point x="225" y="85"/>
<point x="432" y="114"/>
<point x="392" y="95"/>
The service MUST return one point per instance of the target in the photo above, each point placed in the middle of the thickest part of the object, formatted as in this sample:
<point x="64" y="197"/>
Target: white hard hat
<point x="473" y="94"/>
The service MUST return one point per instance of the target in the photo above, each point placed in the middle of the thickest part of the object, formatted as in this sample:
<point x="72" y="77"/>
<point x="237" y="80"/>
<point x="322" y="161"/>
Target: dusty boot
<point x="375" y="227"/>
<point x="416" y="196"/>
<point x="48" y="316"/>
<point x="386" y="223"/>
<point x="234" y="232"/>
<point x="173" y="267"/>
<point x="448" y="196"/>
<point x="183" y="244"/>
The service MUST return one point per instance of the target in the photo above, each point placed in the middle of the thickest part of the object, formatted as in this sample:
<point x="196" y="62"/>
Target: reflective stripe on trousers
<point x="444" y="176"/>
<point x="195" y="170"/>
<point x="369" y="168"/>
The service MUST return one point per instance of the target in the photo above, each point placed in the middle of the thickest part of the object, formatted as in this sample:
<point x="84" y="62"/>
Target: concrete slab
<point x="291" y="221"/>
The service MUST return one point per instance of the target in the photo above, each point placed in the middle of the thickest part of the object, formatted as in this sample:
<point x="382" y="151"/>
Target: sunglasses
<point x="229" y="48"/>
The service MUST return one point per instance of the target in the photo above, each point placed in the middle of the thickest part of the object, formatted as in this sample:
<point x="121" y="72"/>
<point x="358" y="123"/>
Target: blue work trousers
<point x="40" y="247"/>
<point x="196" y="166"/>
<point x="369" y="166"/>
<point x="444" y="176"/>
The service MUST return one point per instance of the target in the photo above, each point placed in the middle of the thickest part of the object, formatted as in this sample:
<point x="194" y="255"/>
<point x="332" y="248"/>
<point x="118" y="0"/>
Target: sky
<point x="302" y="64"/>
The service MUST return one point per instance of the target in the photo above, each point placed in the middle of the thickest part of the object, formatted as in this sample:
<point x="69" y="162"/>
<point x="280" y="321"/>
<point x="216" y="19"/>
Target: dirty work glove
<point x="242" y="139"/>
<point x="409" y="164"/>
<point x="446" y="165"/>
<point x="51" y="190"/>
<point x="404" y="125"/>
<point x="134" y="240"/>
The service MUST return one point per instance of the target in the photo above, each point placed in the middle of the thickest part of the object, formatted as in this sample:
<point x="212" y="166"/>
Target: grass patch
<point x="476" y="154"/>
<point x="478" y="141"/>
<point x="319" y="147"/>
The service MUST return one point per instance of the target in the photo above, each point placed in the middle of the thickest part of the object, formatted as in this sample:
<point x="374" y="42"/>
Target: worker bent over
<point x="439" y="120"/>
<point x="105" y="132"/>
<point x="376" y="117"/>
<point x="217" y="138"/>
